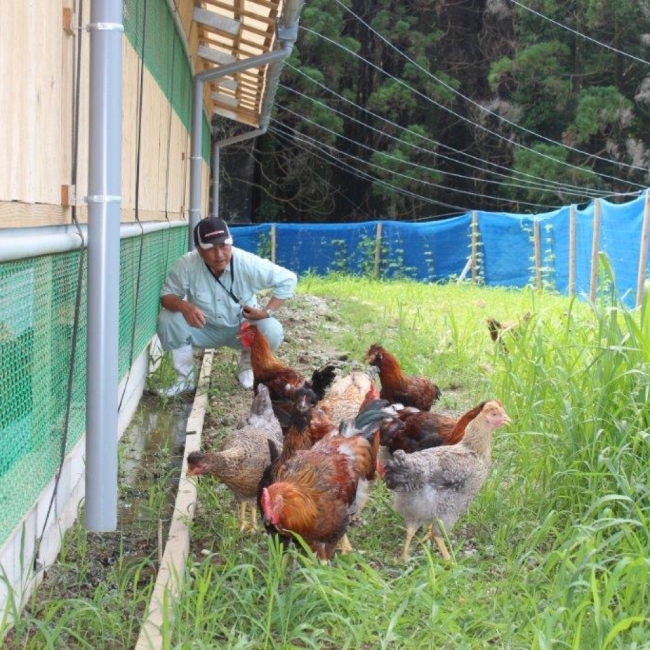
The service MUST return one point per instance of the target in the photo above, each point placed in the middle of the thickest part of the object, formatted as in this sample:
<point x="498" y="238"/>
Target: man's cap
<point x="211" y="231"/>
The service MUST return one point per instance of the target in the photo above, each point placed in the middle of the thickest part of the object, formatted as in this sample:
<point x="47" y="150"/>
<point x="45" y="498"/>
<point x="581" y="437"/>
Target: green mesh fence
<point x="151" y="22"/>
<point x="37" y="315"/>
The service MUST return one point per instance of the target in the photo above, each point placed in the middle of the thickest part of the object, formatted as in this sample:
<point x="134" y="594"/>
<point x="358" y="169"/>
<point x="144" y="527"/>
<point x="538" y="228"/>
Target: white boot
<point x="245" y="372"/>
<point x="183" y="362"/>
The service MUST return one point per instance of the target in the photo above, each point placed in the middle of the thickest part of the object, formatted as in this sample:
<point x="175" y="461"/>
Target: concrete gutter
<point x="171" y="575"/>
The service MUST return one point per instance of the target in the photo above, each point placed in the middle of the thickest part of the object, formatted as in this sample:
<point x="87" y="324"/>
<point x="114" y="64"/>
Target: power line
<point x="542" y="185"/>
<point x="485" y="110"/>
<point x="355" y="171"/>
<point x="580" y="34"/>
<point x="405" y="162"/>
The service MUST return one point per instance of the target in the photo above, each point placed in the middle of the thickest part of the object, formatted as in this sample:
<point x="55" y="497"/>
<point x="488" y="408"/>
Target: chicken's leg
<point x="242" y="517"/>
<point x="428" y="535"/>
<point x="442" y="547"/>
<point x="253" y="518"/>
<point x="410" y="532"/>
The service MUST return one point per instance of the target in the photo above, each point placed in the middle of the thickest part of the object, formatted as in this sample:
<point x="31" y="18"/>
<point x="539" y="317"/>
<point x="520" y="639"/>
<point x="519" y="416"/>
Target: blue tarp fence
<point x="437" y="251"/>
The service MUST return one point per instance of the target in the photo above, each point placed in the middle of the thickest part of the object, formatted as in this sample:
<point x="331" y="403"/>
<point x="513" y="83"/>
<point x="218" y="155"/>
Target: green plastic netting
<point x="37" y="315"/>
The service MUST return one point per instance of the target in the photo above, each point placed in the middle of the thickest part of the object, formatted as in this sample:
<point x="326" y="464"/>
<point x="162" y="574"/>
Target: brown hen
<point x="396" y="385"/>
<point x="276" y="375"/>
<point x="413" y="431"/>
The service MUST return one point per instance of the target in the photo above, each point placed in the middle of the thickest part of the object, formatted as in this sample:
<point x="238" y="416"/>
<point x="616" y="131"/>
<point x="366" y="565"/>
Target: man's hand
<point x="193" y="315"/>
<point x="253" y="313"/>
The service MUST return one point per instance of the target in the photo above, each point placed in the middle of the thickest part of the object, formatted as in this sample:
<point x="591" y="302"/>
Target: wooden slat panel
<point x="228" y="9"/>
<point x="30" y="90"/>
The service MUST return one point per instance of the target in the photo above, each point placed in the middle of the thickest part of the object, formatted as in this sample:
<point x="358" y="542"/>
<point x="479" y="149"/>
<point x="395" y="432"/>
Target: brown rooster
<point x="398" y="387"/>
<point x="276" y="375"/>
<point x="242" y="458"/>
<point x="297" y="437"/>
<point x="413" y="431"/>
<point x="438" y="484"/>
<point x="314" y="492"/>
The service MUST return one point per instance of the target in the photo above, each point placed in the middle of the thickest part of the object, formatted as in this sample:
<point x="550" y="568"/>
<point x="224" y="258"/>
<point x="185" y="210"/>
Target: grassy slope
<point x="553" y="553"/>
<point x="554" y="550"/>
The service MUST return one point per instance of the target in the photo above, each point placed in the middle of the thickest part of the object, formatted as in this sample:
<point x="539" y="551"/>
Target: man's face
<point x="217" y="257"/>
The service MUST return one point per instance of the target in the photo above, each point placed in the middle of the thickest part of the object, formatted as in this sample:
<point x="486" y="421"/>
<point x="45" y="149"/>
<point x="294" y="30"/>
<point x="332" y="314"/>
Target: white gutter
<point x="23" y="243"/>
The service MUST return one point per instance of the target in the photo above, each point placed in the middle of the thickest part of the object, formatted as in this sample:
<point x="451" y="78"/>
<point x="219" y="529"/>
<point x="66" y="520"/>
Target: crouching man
<point x="209" y="292"/>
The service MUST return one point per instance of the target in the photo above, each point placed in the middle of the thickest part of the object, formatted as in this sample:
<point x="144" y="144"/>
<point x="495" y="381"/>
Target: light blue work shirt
<point x="190" y="279"/>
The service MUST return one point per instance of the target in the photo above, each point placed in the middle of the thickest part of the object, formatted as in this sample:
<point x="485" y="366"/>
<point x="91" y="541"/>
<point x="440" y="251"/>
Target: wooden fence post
<point x="643" y="253"/>
<point x="273" y="243"/>
<point x="375" y="272"/>
<point x="572" y="250"/>
<point x="538" y="255"/>
<point x="593" y="285"/>
<point x="474" y="246"/>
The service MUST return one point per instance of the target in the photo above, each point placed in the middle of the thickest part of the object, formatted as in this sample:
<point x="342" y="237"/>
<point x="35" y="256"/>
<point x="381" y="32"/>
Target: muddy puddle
<point x="151" y="457"/>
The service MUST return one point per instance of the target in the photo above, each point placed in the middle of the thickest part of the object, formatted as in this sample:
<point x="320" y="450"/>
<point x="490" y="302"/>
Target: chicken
<point x="313" y="492"/>
<point x="242" y="458"/>
<point x="297" y="437"/>
<point x="500" y="330"/>
<point x="396" y="386"/>
<point x="413" y="431"/>
<point x="270" y="371"/>
<point x="436" y="486"/>
<point x="346" y="395"/>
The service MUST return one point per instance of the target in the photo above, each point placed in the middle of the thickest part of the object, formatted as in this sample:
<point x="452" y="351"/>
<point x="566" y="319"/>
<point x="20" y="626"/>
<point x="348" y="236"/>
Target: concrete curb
<point x="171" y="575"/>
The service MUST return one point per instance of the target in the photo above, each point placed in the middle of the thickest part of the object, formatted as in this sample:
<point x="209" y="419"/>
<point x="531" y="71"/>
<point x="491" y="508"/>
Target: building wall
<point x="41" y="45"/>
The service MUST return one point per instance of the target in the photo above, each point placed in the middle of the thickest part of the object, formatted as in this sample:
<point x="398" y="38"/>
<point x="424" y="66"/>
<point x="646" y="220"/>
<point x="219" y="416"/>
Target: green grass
<point x="555" y="551"/>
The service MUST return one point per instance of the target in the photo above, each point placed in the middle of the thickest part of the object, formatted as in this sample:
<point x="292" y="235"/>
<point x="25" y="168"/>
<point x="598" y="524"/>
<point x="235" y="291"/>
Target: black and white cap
<point x="211" y="231"/>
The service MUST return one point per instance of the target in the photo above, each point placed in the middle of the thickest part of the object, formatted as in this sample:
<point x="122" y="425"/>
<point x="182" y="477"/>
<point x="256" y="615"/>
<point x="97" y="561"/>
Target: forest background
<point x="429" y="108"/>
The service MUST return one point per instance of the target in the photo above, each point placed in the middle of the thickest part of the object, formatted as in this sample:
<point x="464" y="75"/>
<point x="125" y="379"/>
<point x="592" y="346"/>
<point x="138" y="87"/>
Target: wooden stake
<point x="375" y="272"/>
<point x="273" y="242"/>
<point x="593" y="285"/>
<point x="572" y="250"/>
<point x="643" y="252"/>
<point x="538" y="255"/>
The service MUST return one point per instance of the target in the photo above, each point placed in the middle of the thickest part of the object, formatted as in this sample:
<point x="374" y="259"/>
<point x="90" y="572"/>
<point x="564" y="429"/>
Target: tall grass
<point x="555" y="550"/>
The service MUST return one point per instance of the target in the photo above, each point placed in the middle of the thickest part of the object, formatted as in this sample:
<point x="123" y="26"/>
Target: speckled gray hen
<point x="441" y="482"/>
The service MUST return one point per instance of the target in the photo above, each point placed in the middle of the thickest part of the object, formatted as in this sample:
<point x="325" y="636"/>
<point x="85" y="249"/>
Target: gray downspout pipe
<point x="104" y="207"/>
<point x="274" y="77"/>
<point x="197" y="124"/>
<point x="287" y="35"/>
<point x="215" y="181"/>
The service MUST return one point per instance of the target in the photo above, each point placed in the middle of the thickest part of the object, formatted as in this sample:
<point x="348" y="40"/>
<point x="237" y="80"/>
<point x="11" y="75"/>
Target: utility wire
<point x="332" y="159"/>
<point x="483" y="128"/>
<point x="471" y="101"/>
<point x="305" y="139"/>
<point x="561" y="187"/>
<point x="405" y="162"/>
<point x="580" y="34"/>
<point x="540" y="185"/>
